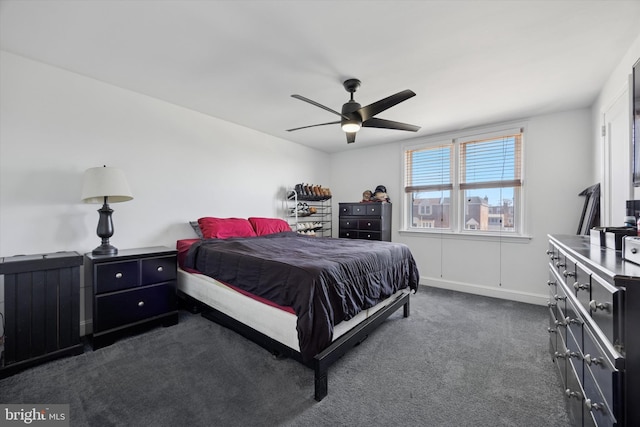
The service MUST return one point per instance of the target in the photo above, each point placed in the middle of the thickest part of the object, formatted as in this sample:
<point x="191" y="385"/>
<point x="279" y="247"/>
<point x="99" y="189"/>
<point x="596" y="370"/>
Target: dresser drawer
<point x="373" y="209"/>
<point x="126" y="307"/>
<point x="369" y="235"/>
<point x="605" y="307"/>
<point x="348" y="234"/>
<point x="358" y="210"/>
<point x="348" y="224"/>
<point x="156" y="270"/>
<point x="581" y="284"/>
<point x="345" y="210"/>
<point x="369" y="224"/>
<point x="117" y="275"/>
<point x="599" y="365"/>
<point x="596" y="405"/>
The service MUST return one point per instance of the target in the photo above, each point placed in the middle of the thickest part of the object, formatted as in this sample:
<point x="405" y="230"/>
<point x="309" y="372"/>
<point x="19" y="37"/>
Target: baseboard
<point x="488" y="291"/>
<point x="86" y="327"/>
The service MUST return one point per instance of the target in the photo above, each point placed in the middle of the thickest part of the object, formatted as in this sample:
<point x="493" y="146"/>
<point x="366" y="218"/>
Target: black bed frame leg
<point x="406" y="308"/>
<point x="321" y="385"/>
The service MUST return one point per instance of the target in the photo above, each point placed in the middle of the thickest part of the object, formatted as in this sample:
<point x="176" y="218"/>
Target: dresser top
<point x="607" y="262"/>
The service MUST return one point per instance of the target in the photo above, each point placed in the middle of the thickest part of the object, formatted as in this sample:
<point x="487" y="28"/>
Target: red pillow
<point x="264" y="226"/>
<point x="224" y="228"/>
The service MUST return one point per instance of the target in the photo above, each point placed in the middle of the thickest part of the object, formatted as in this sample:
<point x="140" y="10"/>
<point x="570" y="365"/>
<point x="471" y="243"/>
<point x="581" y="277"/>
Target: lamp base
<point x="105" y="249"/>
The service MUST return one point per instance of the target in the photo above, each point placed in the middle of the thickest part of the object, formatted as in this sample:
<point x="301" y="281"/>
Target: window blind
<point x="429" y="169"/>
<point x="491" y="163"/>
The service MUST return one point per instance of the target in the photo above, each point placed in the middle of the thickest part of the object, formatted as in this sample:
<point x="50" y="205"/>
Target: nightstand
<point x="132" y="290"/>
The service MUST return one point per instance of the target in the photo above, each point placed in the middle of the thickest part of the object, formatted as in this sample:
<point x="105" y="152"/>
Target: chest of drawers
<point x="133" y="289"/>
<point x="594" y="311"/>
<point x="371" y="221"/>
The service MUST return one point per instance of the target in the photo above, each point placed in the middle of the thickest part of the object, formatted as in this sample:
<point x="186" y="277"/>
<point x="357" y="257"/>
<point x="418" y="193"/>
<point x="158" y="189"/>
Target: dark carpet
<point x="457" y="360"/>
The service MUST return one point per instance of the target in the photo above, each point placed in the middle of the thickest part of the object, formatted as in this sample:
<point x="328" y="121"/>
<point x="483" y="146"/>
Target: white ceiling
<point x="470" y="62"/>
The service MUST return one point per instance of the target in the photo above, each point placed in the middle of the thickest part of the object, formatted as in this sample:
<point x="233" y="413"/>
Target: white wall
<point x="617" y="85"/>
<point x="557" y="147"/>
<point x="180" y="164"/>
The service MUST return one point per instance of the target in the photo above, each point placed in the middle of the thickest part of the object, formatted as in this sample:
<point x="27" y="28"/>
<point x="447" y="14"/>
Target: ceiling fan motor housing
<point x="350" y="109"/>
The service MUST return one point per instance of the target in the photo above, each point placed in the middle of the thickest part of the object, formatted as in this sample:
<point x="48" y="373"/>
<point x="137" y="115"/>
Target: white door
<point x="617" y="187"/>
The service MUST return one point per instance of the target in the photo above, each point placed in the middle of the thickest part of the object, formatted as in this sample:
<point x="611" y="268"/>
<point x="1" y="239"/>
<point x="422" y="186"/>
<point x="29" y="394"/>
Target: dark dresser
<point x="131" y="290"/>
<point x="371" y="221"/>
<point x="42" y="309"/>
<point x="594" y="315"/>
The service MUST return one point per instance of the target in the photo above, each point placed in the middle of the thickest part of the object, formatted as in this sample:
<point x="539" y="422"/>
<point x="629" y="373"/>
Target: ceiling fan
<point x="354" y="116"/>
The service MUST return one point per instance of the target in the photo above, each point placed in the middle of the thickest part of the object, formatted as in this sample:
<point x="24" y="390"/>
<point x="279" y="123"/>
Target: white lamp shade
<point x="101" y="182"/>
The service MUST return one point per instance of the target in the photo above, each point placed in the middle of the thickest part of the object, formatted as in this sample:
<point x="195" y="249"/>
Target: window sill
<point x="491" y="237"/>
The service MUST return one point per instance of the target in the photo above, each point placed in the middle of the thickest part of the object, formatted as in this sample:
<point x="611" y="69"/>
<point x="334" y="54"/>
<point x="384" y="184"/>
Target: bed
<point x="303" y="297"/>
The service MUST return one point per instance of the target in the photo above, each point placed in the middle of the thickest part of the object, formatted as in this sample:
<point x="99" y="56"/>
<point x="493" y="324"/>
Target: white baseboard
<point x="86" y="327"/>
<point x="488" y="291"/>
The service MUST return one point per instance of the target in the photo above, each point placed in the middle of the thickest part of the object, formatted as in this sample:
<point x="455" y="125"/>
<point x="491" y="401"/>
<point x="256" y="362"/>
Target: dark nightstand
<point x="132" y="290"/>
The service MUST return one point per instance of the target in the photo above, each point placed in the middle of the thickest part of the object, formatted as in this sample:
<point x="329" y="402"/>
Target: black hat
<point x="381" y="189"/>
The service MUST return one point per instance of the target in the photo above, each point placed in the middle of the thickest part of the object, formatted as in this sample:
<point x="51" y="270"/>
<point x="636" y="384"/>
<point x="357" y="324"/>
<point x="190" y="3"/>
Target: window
<point x="466" y="184"/>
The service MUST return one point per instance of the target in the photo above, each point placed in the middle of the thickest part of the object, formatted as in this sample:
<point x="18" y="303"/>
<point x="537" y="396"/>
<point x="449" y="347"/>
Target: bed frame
<point x="322" y="361"/>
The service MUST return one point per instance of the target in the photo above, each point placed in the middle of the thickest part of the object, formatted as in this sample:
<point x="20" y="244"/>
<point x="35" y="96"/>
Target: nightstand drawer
<point x="124" y="308"/>
<point x="117" y="275"/>
<point x="156" y="270"/>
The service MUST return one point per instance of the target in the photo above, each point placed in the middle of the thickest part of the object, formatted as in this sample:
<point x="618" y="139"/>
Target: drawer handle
<point x="160" y="269"/>
<point x="590" y="360"/>
<point x="567" y="273"/>
<point x="141" y="304"/>
<point x="581" y="286"/>
<point x="559" y="355"/>
<point x="595" y="306"/>
<point x="575" y="394"/>
<point x="119" y="275"/>
<point x="574" y="321"/>
<point x="593" y="406"/>
<point x="560" y="323"/>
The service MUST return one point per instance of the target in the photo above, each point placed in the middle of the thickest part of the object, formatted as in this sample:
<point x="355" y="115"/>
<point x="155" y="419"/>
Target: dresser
<point x="371" y="221"/>
<point x="131" y="291"/>
<point x="42" y="309"/>
<point x="594" y="315"/>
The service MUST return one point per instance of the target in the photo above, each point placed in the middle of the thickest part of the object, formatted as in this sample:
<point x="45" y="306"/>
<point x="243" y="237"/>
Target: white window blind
<point x="428" y="169"/>
<point x="491" y="163"/>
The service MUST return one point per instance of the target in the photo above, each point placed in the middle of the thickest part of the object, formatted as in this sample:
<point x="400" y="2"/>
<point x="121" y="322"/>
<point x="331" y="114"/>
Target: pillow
<point x="196" y="228"/>
<point x="264" y="226"/>
<point x="224" y="228"/>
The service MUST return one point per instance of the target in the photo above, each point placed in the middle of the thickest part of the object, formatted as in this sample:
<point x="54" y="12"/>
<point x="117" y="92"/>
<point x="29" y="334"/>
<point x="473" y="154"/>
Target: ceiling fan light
<point x="351" y="126"/>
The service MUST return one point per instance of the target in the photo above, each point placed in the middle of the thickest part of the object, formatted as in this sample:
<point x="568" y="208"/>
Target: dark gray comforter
<point x="325" y="280"/>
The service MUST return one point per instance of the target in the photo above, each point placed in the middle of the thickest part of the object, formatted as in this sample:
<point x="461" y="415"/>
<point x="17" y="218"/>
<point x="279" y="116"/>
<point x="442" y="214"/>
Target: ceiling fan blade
<point x="311" y="126"/>
<point x="302" y="98"/>
<point x="371" y="110"/>
<point x="389" y="124"/>
<point x="351" y="137"/>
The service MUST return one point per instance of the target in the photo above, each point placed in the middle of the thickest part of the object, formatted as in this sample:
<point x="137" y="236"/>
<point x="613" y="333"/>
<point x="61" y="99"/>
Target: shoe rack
<point x="308" y="210"/>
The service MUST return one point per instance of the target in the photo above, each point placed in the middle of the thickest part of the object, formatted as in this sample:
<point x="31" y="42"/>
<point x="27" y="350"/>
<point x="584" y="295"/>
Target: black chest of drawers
<point x="594" y="309"/>
<point x="131" y="290"/>
<point x="370" y="221"/>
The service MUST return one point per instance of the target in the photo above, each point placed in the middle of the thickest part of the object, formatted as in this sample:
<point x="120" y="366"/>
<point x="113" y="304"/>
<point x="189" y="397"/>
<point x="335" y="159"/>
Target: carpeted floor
<point x="458" y="360"/>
